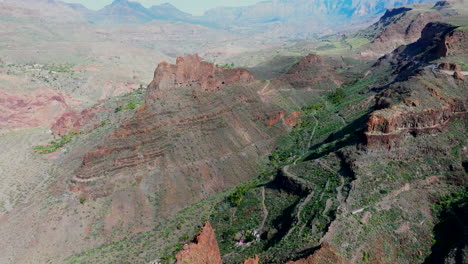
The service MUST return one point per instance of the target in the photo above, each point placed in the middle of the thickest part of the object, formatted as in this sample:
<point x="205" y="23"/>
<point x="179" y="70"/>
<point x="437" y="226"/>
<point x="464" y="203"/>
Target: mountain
<point x="131" y="12"/>
<point x="328" y="11"/>
<point x="167" y="11"/>
<point x="331" y="157"/>
<point x="279" y="18"/>
<point x="122" y="12"/>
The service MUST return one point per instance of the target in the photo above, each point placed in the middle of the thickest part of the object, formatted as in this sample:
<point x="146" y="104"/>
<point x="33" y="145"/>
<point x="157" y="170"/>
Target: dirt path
<point x="265" y="211"/>
<point x="452" y="72"/>
<point x="263" y="91"/>
<point x="313" y="132"/>
<point x="293" y="176"/>
<point x="298" y="214"/>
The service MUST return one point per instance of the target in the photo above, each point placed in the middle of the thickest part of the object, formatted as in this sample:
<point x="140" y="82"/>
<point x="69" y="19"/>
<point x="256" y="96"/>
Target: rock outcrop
<point x="399" y="26"/>
<point x="255" y="260"/>
<point x="413" y="103"/>
<point x="192" y="71"/>
<point x="325" y="255"/>
<point x="38" y="109"/>
<point x="203" y="249"/>
<point x="188" y="141"/>
<point x="313" y="72"/>
<point x="73" y="120"/>
<point x="386" y="127"/>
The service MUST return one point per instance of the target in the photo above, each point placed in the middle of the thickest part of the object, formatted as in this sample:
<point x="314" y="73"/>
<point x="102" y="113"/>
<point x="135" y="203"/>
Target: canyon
<point x="153" y="136"/>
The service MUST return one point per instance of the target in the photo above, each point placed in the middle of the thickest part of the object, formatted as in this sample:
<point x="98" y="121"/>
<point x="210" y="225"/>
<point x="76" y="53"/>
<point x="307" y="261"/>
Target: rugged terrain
<point x="317" y="151"/>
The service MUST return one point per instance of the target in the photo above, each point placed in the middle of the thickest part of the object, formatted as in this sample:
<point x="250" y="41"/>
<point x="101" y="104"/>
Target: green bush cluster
<point x="56" y="144"/>
<point x="235" y="198"/>
<point x="448" y="201"/>
<point x="227" y="66"/>
<point x="133" y="104"/>
<point x="337" y="96"/>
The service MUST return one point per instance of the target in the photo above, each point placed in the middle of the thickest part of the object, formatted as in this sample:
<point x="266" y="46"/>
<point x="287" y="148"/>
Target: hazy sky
<point x="196" y="7"/>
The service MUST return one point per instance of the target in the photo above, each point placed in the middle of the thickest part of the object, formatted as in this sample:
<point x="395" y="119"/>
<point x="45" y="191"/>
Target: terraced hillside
<point x="334" y="158"/>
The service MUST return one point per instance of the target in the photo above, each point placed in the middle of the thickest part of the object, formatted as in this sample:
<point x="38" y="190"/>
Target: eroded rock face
<point x="312" y="72"/>
<point x="401" y="26"/>
<point x="73" y="120"/>
<point x="387" y="127"/>
<point x="326" y="254"/>
<point x="203" y="249"/>
<point x="255" y="260"/>
<point x="185" y="143"/>
<point x="449" y="66"/>
<point x="38" y="109"/>
<point x="192" y="71"/>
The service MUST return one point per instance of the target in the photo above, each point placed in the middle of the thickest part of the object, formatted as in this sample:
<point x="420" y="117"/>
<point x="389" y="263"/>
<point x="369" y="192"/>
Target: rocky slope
<point x="404" y="25"/>
<point x="380" y="188"/>
<point x="313" y="72"/>
<point x="198" y="125"/>
<point x="203" y="249"/>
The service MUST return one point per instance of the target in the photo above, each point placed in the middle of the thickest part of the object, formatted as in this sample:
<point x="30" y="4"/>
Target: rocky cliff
<point x="399" y="26"/>
<point x="203" y="249"/>
<point x="193" y="72"/>
<point x="197" y="134"/>
<point x="416" y="102"/>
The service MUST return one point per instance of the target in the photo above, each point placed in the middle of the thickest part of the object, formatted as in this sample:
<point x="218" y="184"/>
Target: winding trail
<point x="293" y="176"/>
<point x="265" y="211"/>
<point x="313" y="132"/>
<point x="465" y="73"/>
<point x="298" y="214"/>
<point x="263" y="92"/>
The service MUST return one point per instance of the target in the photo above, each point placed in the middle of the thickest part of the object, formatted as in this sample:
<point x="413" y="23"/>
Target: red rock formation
<point x="401" y="26"/>
<point x="308" y="61"/>
<point x="203" y="249"/>
<point x="192" y="71"/>
<point x="325" y="255"/>
<point x="293" y="119"/>
<point x="448" y="66"/>
<point x="458" y="75"/>
<point x="456" y="42"/>
<point x="386" y="127"/>
<point x="313" y="72"/>
<point x="191" y="141"/>
<point x="37" y="109"/>
<point x="73" y="120"/>
<point x="255" y="260"/>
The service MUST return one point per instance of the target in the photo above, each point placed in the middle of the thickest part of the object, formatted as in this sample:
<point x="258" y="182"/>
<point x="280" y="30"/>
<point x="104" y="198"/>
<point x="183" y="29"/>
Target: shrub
<point x="337" y="96"/>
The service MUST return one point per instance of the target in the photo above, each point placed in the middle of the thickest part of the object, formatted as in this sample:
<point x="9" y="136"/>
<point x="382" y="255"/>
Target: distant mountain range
<point x="283" y="15"/>
<point x="130" y="12"/>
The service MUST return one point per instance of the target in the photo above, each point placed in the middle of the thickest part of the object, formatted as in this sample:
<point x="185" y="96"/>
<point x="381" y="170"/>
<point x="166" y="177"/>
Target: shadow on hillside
<point x="352" y="134"/>
<point x="451" y="236"/>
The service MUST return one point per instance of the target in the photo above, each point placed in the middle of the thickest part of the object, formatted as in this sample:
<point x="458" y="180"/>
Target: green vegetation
<point x="235" y="198"/>
<point x="64" y="68"/>
<point x="337" y="96"/>
<point x="463" y="64"/>
<point x="451" y="200"/>
<point x="53" y="146"/>
<point x="227" y="66"/>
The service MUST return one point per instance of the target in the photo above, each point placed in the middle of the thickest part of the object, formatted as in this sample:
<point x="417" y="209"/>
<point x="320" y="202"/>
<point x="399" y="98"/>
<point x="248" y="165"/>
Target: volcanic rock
<point x="185" y="141"/>
<point x="192" y="71"/>
<point x="203" y="249"/>
<point x="313" y="72"/>
<point x="73" y="120"/>
<point x="255" y="260"/>
<point x="458" y="75"/>
<point x="326" y="254"/>
<point x="38" y="109"/>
